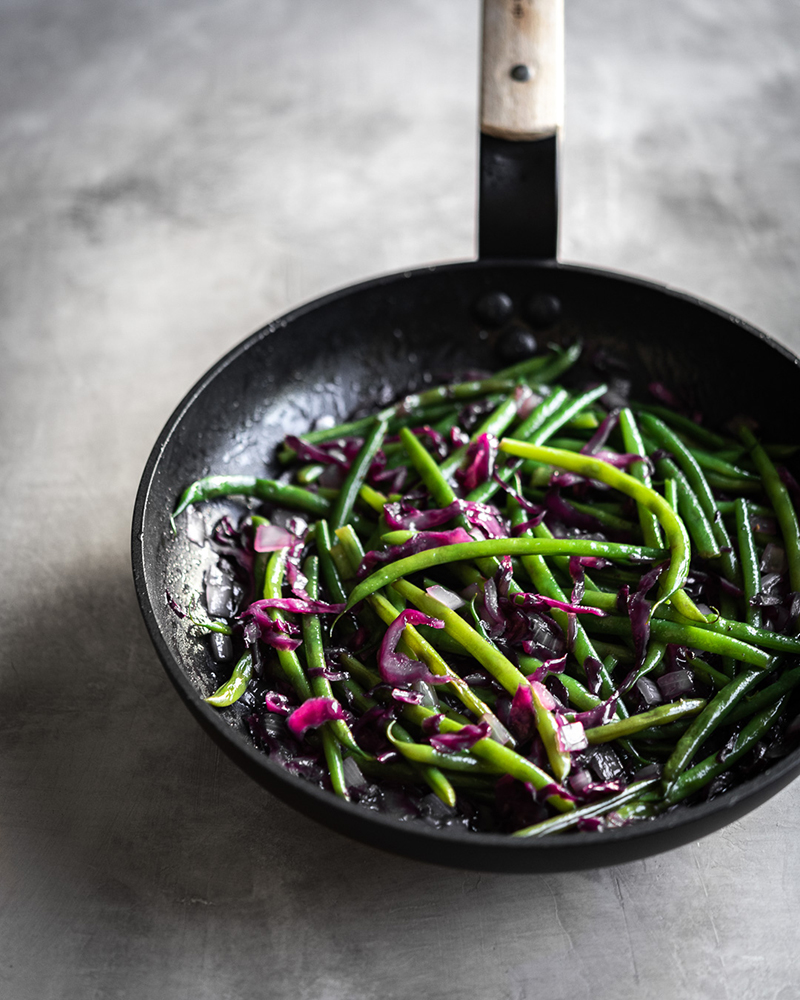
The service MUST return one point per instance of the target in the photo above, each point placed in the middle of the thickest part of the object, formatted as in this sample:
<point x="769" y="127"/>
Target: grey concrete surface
<point x="174" y="174"/>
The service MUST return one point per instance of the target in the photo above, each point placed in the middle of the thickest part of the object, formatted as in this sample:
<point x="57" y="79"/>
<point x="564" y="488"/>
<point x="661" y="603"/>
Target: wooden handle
<point x="522" y="92"/>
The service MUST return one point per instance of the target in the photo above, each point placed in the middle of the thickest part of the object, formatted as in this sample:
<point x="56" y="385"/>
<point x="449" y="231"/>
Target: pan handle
<point x="522" y="110"/>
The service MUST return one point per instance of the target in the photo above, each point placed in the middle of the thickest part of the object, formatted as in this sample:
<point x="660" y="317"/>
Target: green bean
<point x="693" y="636"/>
<point x="697" y="480"/>
<point x="501" y="668"/>
<point x="671" y="493"/>
<point x="686" y="426"/>
<point x="782" y="503"/>
<point x="439" y="488"/>
<point x="568" y="410"/>
<point x="714" y="463"/>
<point x="652" y="660"/>
<point x="496" y="423"/>
<point x="507" y="760"/>
<point x="320" y="685"/>
<point x="724" y="627"/>
<point x="287" y="658"/>
<point x="545" y="584"/>
<point x="634" y="445"/>
<point x="330" y="573"/>
<point x="714" y="678"/>
<point x="548" y="730"/>
<point x="707" y="721"/>
<point x="431" y="776"/>
<point x="343" y="506"/>
<point x="496" y="547"/>
<point x="563" y="361"/>
<point x="458" y="390"/>
<point x="766" y="697"/>
<point x="701" y="774"/>
<point x="652" y="717"/>
<point x="233" y="689"/>
<point x="421" y="753"/>
<point x="269" y="490"/>
<point x="593" y="468"/>
<point x="559" y="823"/>
<point x="372" y="497"/>
<point x="532" y="367"/>
<point x="691" y="511"/>
<point x="588" y="420"/>
<point x="548" y="406"/>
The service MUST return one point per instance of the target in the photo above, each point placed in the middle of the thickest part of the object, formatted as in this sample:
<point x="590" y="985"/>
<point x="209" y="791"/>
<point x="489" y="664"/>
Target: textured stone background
<point x="174" y="174"/>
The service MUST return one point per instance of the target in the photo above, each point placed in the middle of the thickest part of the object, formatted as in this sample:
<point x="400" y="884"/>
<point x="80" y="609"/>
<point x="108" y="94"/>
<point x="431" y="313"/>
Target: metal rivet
<point x="493" y="309"/>
<point x="516" y="344"/>
<point x="521" y="72"/>
<point x="543" y="311"/>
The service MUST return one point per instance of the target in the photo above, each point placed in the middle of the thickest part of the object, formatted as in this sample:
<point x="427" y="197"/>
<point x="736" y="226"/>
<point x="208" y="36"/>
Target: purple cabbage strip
<point x="422" y="541"/>
<point x="464" y="739"/>
<point x="274" y="633"/>
<point x="277" y="703"/>
<point x="521" y="715"/>
<point x="297" y="605"/>
<point x="401" y="516"/>
<point x="396" y="668"/>
<point x="601" y="435"/>
<point x="329" y="452"/>
<point x="539" y="602"/>
<point x="567" y="514"/>
<point x="479" y="462"/>
<point x="555" y="665"/>
<point x="313" y="713"/>
<point x="485" y="518"/>
<point x="226" y="540"/>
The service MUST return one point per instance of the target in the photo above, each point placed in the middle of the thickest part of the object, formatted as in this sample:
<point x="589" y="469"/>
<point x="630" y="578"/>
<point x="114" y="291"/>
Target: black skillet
<point x="366" y="344"/>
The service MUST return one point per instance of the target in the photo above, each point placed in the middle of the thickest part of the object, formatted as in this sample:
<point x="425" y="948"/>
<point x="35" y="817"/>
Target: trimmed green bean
<point x="233" y="689"/>
<point x="707" y="721"/>
<point x="634" y="445"/>
<point x="211" y="487"/>
<point x="781" y="502"/>
<point x="697" y="479"/>
<point x="787" y="681"/>
<point x="559" y="823"/>
<point x="315" y="659"/>
<point x="693" y="636"/>
<point x="659" y="716"/>
<point x="499" y="666"/>
<point x="496" y="547"/>
<point x="496" y="754"/>
<point x="691" y="511"/>
<point x="593" y="468"/>
<point x="287" y="658"/>
<point x="701" y="774"/>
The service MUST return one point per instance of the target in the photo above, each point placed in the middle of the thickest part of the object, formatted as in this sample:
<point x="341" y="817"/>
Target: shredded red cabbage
<point x="422" y="541"/>
<point x="298" y="606"/>
<point x="396" y="668"/>
<point x="314" y="713"/>
<point x="479" y="462"/>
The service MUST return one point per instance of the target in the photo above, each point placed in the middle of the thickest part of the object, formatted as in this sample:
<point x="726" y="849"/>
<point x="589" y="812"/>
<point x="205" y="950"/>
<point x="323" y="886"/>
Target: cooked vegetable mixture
<point x="507" y="606"/>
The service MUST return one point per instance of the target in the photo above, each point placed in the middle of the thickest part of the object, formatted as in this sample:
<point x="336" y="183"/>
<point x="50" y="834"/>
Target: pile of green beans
<point x="605" y="627"/>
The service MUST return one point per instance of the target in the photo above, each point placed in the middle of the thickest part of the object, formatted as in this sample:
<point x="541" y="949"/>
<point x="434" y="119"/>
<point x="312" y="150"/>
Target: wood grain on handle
<point x="524" y="33"/>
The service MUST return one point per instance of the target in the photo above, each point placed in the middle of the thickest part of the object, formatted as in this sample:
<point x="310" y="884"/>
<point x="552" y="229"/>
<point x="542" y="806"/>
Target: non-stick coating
<point x="362" y="347"/>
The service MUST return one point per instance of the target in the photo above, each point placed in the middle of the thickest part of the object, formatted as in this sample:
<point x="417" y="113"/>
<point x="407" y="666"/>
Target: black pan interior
<point x="359" y="348"/>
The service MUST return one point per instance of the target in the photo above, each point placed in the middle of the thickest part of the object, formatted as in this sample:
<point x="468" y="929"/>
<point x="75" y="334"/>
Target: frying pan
<point x="362" y="346"/>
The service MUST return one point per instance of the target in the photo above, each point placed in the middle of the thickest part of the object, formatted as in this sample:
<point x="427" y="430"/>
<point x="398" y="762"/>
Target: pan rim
<point x="495" y="844"/>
